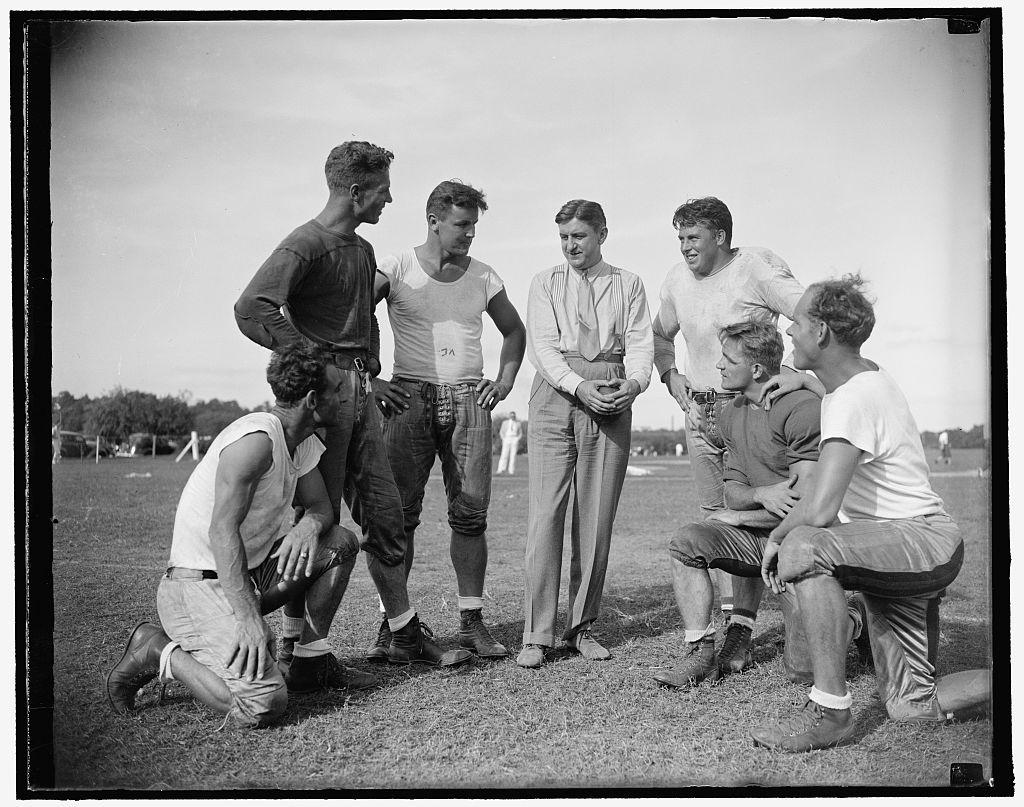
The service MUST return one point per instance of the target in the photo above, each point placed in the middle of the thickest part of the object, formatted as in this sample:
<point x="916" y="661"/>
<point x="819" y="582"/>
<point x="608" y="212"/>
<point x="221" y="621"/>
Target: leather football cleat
<point x="415" y="642"/>
<point x="310" y="674"/>
<point x="379" y="652"/>
<point x="735" y="653"/>
<point x="699" y="664"/>
<point x="807" y="729"/>
<point x="139" y="664"/>
<point x="474" y="636"/>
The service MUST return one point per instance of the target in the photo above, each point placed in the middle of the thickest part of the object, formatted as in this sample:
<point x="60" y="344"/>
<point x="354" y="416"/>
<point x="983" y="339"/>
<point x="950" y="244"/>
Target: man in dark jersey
<point x="318" y="286"/>
<point x="771" y="459"/>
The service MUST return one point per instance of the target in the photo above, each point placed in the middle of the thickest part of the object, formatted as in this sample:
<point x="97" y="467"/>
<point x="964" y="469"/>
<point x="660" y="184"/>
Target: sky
<point x="183" y="153"/>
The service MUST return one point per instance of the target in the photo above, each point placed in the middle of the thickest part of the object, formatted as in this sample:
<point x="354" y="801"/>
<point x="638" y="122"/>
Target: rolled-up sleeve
<point x="639" y="337"/>
<point x="542" y="338"/>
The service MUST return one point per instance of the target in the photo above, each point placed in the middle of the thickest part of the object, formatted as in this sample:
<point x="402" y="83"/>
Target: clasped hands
<point x="624" y="391"/>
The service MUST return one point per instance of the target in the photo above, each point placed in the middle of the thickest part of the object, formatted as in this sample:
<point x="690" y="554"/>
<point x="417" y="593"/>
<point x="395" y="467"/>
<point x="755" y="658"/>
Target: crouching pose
<point x="896" y="545"/>
<point x="771" y="459"/>
<point x="236" y="556"/>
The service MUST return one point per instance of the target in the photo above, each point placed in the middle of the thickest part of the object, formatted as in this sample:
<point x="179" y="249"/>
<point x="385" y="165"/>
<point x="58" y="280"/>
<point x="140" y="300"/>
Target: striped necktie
<point x="589" y="342"/>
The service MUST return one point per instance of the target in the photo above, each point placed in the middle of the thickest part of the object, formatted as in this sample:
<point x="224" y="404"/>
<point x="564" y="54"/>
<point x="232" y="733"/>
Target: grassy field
<point x="486" y="725"/>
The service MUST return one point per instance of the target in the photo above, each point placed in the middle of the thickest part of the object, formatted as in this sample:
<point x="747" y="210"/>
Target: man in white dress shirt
<point x="589" y="338"/>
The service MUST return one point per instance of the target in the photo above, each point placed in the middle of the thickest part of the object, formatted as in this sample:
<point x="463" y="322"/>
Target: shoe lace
<point x="427" y="632"/>
<point x="802" y="721"/>
<point x="733" y="638"/>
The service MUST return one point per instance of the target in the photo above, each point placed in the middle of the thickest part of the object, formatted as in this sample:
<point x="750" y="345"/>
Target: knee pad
<point x="343" y="543"/>
<point x="465" y="520"/>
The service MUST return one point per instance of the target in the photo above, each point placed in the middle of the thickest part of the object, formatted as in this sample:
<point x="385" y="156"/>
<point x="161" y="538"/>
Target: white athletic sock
<point x="402" y="620"/>
<point x="697" y="635"/>
<point x="831" y="701"/>
<point x="380" y="604"/>
<point x="291" y="626"/>
<point x="470" y="603"/>
<point x="165" y="673"/>
<point x="312" y="649"/>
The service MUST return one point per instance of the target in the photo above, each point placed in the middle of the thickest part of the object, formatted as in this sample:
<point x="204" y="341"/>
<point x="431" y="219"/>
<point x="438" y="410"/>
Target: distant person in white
<point x="438" y="403"/>
<point x="511" y="433"/>
<point x="945" y="453"/>
<point x="716" y="285"/>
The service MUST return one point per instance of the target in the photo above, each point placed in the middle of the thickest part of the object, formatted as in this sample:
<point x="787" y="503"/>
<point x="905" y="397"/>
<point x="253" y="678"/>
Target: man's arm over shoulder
<point x="796" y="422"/>
<point x="778" y="288"/>
<point x="258" y="310"/>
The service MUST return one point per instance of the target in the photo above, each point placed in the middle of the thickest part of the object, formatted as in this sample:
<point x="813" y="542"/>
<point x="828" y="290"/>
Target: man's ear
<point x="824" y="335"/>
<point x="603" y="234"/>
<point x="720" y="237"/>
<point x="432" y="222"/>
<point x="355" y="191"/>
<point x="310" y="400"/>
<point x="758" y="372"/>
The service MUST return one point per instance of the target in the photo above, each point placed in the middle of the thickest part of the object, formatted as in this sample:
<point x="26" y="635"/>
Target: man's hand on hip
<point x="490" y="392"/>
<point x="390" y="397"/>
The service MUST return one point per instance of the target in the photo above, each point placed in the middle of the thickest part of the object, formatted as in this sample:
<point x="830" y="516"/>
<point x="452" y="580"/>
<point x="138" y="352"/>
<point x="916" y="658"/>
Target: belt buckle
<point x="359" y="364"/>
<point x="710" y="396"/>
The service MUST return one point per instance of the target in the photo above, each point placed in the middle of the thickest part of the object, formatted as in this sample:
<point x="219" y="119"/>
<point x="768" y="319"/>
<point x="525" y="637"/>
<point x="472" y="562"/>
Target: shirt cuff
<point x="570" y="382"/>
<point x="643" y="379"/>
<point x="663" y="365"/>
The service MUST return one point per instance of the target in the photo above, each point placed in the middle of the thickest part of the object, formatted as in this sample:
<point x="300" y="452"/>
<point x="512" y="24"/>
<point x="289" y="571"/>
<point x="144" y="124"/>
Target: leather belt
<point x="710" y="396"/>
<point x="182" y="573"/>
<point x="348" y="360"/>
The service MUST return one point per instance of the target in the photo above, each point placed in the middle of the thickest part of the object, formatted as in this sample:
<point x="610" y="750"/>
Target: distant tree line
<point x="121" y="413"/>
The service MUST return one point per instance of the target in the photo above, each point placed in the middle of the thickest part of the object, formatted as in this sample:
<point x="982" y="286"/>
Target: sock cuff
<point x="165" y="673"/>
<point x="401" y="620"/>
<point x="697" y="635"/>
<point x="741" y="618"/>
<point x="831" y="701"/>
<point x="470" y="603"/>
<point x="291" y="626"/>
<point x="312" y="649"/>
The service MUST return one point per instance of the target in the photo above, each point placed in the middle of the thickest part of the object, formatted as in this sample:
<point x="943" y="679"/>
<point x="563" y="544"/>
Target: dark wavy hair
<point x="295" y="370"/>
<point x="842" y="305"/>
<point x="454" y="193"/>
<point x="590" y="212"/>
<point x="759" y="340"/>
<point x="705" y="212"/>
<point x="356" y="162"/>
